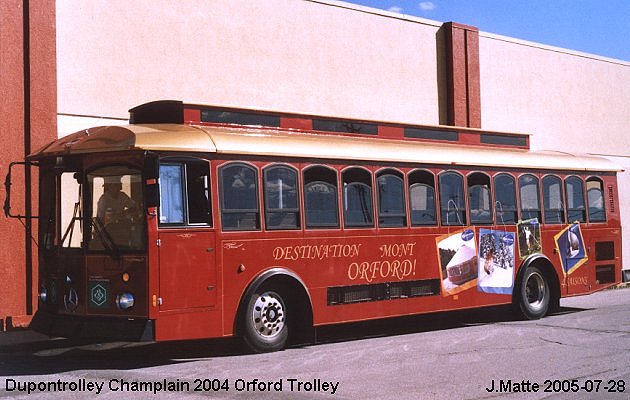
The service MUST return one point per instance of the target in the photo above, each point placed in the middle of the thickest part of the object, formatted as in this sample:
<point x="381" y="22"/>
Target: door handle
<point x="210" y="249"/>
<point x="210" y="288"/>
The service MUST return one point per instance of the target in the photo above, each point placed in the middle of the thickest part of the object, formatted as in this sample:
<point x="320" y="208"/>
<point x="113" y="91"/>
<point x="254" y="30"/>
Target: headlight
<point x="125" y="301"/>
<point x="42" y="295"/>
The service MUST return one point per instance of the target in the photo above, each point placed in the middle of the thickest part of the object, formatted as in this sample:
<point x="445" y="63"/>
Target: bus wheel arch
<point x="537" y="288"/>
<point x="277" y="298"/>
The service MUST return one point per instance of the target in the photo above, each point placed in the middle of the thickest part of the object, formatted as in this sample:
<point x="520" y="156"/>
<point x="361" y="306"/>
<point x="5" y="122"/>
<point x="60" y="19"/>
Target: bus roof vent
<point x="158" y="112"/>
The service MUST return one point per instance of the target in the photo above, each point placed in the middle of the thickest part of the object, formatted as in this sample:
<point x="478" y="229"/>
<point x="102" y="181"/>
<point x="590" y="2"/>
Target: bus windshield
<point x="116" y="217"/>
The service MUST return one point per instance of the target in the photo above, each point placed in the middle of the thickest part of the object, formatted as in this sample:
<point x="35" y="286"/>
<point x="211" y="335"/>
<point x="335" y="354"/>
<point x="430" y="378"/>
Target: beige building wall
<point x="293" y="55"/>
<point x="330" y="58"/>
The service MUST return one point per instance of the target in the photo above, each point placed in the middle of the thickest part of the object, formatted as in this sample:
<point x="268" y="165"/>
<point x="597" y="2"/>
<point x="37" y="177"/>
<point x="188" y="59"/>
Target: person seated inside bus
<point x="118" y="216"/>
<point x="113" y="203"/>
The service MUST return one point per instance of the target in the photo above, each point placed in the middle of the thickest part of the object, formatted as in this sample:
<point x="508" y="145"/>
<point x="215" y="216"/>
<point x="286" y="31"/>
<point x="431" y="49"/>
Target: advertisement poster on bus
<point x="457" y="257"/>
<point x="496" y="261"/>
<point x="570" y="247"/>
<point x="528" y="237"/>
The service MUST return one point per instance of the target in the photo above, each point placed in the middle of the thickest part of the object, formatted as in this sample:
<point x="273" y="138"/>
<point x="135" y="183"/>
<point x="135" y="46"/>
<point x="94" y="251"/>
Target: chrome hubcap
<point x="535" y="291"/>
<point x="268" y="314"/>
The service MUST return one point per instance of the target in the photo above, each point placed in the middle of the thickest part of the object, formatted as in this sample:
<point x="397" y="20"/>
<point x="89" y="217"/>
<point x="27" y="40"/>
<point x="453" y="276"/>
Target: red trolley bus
<point x="200" y="222"/>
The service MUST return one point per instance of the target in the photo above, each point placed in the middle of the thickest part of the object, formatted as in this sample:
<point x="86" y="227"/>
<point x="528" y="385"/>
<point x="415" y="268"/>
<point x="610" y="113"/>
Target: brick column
<point x="461" y="63"/>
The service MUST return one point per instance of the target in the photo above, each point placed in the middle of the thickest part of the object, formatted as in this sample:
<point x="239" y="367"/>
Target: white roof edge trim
<point x="265" y="142"/>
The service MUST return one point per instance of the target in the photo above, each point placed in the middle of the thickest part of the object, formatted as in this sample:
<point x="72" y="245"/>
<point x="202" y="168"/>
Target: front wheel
<point x="534" y="294"/>
<point x="264" y="322"/>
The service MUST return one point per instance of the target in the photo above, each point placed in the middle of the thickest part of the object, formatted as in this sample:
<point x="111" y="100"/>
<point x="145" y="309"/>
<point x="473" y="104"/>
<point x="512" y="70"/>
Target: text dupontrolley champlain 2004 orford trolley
<point x="202" y="221"/>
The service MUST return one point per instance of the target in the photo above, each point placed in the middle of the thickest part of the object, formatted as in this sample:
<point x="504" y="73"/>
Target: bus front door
<point x="188" y="276"/>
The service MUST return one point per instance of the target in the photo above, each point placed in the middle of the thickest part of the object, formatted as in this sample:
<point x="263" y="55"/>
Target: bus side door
<point x="187" y="276"/>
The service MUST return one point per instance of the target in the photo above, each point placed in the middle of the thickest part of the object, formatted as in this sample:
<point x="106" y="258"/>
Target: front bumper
<point x="89" y="327"/>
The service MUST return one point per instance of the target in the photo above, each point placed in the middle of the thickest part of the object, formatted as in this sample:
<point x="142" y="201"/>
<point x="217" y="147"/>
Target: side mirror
<point x="7" y="187"/>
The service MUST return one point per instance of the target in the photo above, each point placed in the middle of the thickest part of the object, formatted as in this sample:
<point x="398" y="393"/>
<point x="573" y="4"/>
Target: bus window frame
<point x="184" y="163"/>
<point x="603" y="208"/>
<point x="337" y="192"/>
<point x="436" y="202"/>
<point x="346" y="226"/>
<point x="221" y="209"/>
<point x="88" y="208"/>
<point x="460" y="212"/>
<point x="490" y="198"/>
<point x="566" y="199"/>
<point x="500" y="221"/>
<point x="538" y="210"/>
<point x="395" y="172"/>
<point x="267" y="211"/>
<point x="546" y="210"/>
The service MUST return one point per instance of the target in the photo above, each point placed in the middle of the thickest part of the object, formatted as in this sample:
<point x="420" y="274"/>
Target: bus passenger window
<point x="479" y="199"/>
<point x="422" y="198"/>
<point x="320" y="198"/>
<point x="452" y="200"/>
<point x="574" y="194"/>
<point x="281" y="198"/>
<point x="239" y="197"/>
<point x="595" y="195"/>
<point x="552" y="199"/>
<point x="530" y="201"/>
<point x="185" y="193"/>
<point x="505" y="199"/>
<point x="358" y="209"/>
<point x="391" y="199"/>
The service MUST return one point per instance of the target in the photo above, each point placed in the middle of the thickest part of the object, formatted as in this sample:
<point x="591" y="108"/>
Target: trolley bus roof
<point x="253" y="141"/>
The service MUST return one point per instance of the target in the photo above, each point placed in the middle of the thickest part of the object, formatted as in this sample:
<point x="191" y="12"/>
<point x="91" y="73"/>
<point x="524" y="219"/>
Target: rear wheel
<point x="264" y="321"/>
<point x="534" y="294"/>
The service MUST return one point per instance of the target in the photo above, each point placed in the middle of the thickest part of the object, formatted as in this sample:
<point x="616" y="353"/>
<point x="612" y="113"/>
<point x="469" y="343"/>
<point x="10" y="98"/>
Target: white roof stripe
<point x="298" y="144"/>
<point x="258" y="141"/>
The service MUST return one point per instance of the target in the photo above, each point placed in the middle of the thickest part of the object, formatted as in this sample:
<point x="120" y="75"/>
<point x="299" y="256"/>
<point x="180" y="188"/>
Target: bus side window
<point x="552" y="199"/>
<point x="422" y="198"/>
<point x="479" y="199"/>
<point x="185" y="193"/>
<point x="391" y="199"/>
<point x="320" y="197"/>
<point x="198" y="193"/>
<point x="505" y="199"/>
<point x="171" y="194"/>
<point x="239" y="197"/>
<point x="574" y="194"/>
<point x="452" y="200"/>
<point x="595" y="195"/>
<point x="530" y="200"/>
<point x="281" y="199"/>
<point x="358" y="208"/>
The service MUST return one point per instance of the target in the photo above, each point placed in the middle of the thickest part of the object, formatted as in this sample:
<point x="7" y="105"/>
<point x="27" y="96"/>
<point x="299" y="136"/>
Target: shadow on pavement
<point x="423" y="323"/>
<point x="28" y="353"/>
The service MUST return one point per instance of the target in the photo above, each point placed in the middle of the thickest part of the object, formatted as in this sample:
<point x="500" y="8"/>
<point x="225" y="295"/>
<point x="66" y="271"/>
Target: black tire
<point x="534" y="293"/>
<point x="264" y="321"/>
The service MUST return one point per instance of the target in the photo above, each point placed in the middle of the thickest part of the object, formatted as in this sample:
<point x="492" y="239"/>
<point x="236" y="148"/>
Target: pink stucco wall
<point x="42" y="88"/>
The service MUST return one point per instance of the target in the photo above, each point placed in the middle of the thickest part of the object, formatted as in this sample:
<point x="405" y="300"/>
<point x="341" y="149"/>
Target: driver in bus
<point x="113" y="203"/>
